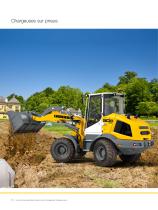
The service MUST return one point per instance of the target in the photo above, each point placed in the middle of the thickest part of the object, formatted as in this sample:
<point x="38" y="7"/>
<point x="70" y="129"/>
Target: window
<point x="10" y="106"/>
<point x="113" y="104"/>
<point x="1" y="107"/>
<point x="17" y="108"/>
<point x="94" y="110"/>
<point x="123" y="128"/>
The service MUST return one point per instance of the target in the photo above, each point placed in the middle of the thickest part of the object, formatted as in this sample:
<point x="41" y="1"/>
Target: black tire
<point x="105" y="153"/>
<point x="130" y="158"/>
<point x="62" y="150"/>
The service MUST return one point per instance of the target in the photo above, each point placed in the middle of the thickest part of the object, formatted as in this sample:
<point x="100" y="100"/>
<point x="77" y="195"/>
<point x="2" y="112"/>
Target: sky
<point x="32" y="60"/>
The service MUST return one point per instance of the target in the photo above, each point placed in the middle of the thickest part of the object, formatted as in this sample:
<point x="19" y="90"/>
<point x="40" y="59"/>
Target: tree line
<point x="141" y="96"/>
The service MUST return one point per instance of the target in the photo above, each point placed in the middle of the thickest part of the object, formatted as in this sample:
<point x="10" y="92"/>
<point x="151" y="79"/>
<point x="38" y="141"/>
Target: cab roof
<point x="107" y="93"/>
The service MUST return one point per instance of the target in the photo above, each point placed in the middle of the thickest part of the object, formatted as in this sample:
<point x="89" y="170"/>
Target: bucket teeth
<point x="21" y="122"/>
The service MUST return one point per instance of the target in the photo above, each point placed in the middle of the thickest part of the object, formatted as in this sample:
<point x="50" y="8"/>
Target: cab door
<point x="93" y="116"/>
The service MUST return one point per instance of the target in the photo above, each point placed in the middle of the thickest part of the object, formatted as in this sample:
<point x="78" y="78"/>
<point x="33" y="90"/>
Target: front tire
<point x="62" y="150"/>
<point x="130" y="158"/>
<point x="105" y="153"/>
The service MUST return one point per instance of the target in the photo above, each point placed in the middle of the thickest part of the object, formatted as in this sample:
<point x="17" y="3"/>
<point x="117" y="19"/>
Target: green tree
<point x="35" y="102"/>
<point x="42" y="107"/>
<point x="106" y="88"/>
<point x="64" y="96"/>
<point x="48" y="91"/>
<point x="69" y="97"/>
<point x="137" y="91"/>
<point x="127" y="77"/>
<point x="154" y="89"/>
<point x="121" y="88"/>
<point x="147" y="108"/>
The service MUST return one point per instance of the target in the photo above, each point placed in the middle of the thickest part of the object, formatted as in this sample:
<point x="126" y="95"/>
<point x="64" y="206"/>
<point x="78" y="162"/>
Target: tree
<point x="64" y="96"/>
<point x="140" y="94"/>
<point x="121" y="88"/>
<point x="106" y="88"/>
<point x="42" y="107"/>
<point x="137" y="91"/>
<point x="69" y="97"/>
<point x="36" y="101"/>
<point x="154" y="89"/>
<point x="147" y="108"/>
<point x="48" y="91"/>
<point x="127" y="77"/>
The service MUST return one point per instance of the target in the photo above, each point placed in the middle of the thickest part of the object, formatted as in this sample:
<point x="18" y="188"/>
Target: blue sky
<point x="31" y="60"/>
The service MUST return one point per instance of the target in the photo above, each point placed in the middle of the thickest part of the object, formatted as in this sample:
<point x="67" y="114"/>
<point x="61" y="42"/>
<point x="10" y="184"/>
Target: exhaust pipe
<point x="21" y="122"/>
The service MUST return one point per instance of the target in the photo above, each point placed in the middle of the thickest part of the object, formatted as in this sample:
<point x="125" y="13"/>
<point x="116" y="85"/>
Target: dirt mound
<point x="11" y="144"/>
<point x="4" y="135"/>
<point x="29" y="155"/>
<point x="23" y="148"/>
<point x="150" y="156"/>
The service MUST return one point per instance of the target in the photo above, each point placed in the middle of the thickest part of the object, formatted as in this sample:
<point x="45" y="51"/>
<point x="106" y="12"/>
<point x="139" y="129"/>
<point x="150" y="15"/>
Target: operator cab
<point x="103" y="104"/>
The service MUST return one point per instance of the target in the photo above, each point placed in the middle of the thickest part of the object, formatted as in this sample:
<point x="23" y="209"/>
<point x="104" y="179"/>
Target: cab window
<point x="111" y="105"/>
<point x="94" y="110"/>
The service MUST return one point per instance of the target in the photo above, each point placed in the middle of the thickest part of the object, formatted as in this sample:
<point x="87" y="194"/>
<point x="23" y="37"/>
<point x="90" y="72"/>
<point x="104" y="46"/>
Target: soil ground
<point x="29" y="155"/>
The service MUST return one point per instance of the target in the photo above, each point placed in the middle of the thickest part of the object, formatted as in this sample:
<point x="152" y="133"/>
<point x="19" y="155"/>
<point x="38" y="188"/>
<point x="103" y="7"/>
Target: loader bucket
<point x="21" y="122"/>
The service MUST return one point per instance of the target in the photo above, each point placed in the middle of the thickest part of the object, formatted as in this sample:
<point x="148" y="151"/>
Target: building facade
<point x="12" y="105"/>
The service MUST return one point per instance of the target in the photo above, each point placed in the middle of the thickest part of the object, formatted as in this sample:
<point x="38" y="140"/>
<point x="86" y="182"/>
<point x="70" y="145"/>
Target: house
<point x="12" y="105"/>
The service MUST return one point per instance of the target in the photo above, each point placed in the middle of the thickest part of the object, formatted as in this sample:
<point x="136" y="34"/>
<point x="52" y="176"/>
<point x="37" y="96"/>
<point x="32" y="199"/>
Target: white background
<point x="122" y="202"/>
<point x="80" y="14"/>
<point x="140" y="199"/>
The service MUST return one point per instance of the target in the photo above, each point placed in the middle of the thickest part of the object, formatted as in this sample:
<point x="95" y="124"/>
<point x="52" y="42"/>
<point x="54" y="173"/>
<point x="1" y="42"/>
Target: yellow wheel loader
<point x="105" y="130"/>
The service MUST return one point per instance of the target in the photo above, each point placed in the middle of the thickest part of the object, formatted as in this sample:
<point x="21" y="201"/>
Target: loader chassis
<point x="105" y="130"/>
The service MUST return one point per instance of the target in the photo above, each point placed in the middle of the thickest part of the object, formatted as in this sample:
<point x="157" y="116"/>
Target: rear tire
<point x="105" y="153"/>
<point x="130" y="158"/>
<point x="62" y="150"/>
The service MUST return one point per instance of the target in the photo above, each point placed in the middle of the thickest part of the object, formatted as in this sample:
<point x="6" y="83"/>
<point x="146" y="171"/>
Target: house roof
<point x="2" y="99"/>
<point x="13" y="100"/>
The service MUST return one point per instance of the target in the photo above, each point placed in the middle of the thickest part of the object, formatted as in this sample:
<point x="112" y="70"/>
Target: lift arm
<point x="28" y="122"/>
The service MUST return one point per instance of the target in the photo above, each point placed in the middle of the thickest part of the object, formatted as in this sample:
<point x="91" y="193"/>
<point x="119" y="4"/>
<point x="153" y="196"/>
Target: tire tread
<point x="69" y="144"/>
<point x="111" y="153"/>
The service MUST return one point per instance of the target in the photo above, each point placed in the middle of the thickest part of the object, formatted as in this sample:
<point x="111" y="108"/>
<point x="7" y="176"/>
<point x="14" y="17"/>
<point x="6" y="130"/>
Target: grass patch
<point x="149" y="118"/>
<point x="154" y="124"/>
<point x="58" y="128"/>
<point x="101" y="182"/>
<point x="107" y="183"/>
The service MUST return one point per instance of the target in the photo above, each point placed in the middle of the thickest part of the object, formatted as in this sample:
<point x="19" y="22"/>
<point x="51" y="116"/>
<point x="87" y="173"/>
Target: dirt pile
<point x="4" y="135"/>
<point x="23" y="148"/>
<point x="11" y="144"/>
<point x="150" y="156"/>
<point x="30" y="157"/>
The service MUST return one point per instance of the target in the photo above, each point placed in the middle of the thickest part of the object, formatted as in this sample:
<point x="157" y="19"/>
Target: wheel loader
<point x="105" y="130"/>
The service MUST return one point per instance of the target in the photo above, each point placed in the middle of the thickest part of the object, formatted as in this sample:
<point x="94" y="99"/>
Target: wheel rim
<point x="101" y="153"/>
<point x="61" y="149"/>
